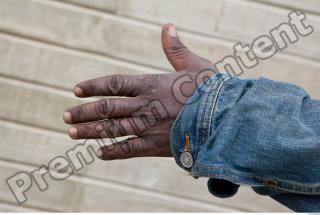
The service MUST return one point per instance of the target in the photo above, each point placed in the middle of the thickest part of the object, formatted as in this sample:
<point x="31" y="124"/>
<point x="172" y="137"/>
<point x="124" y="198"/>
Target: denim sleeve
<point x="260" y="133"/>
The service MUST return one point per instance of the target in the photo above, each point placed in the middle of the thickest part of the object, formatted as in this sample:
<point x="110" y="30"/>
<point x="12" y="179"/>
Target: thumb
<point x="178" y="55"/>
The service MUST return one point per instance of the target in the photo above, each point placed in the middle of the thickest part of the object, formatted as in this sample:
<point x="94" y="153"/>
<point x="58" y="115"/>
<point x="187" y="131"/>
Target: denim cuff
<point x="194" y="120"/>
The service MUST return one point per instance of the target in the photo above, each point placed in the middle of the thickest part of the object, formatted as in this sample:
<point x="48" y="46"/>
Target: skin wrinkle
<point x="134" y="126"/>
<point x="116" y="129"/>
<point x="106" y="108"/>
<point x="147" y="123"/>
<point x="84" y="131"/>
<point x="114" y="126"/>
<point x="100" y="129"/>
<point x="116" y="85"/>
<point x="80" y="115"/>
<point x="178" y="50"/>
<point x="92" y="88"/>
<point x="126" y="148"/>
<point x="101" y="109"/>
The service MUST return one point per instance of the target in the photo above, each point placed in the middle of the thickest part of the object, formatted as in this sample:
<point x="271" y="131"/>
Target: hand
<point x="141" y="105"/>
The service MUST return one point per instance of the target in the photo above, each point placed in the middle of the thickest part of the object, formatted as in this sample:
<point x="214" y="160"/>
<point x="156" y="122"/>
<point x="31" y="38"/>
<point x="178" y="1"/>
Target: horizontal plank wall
<point x="47" y="46"/>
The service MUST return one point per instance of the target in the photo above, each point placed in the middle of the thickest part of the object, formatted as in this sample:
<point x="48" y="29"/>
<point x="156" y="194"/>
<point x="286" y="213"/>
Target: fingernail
<point x="78" y="91"/>
<point x="73" y="132"/>
<point x="172" y="30"/>
<point x="99" y="153"/>
<point x="67" y="116"/>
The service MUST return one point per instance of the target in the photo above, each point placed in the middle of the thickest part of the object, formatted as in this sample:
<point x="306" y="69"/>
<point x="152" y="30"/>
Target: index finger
<point x="114" y="85"/>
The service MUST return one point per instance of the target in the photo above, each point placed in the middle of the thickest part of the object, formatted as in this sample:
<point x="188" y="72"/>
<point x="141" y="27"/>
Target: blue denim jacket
<point x="260" y="133"/>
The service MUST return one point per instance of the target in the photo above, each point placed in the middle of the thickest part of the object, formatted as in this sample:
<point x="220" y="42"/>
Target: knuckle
<point x="84" y="131"/>
<point x="114" y="128"/>
<point x="120" y="150"/>
<point x="98" y="130"/>
<point x="126" y="149"/>
<point x="115" y="85"/>
<point x="105" y="108"/>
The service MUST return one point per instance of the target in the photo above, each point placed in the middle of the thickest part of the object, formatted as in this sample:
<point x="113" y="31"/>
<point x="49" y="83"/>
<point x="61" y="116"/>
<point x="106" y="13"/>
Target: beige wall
<point x="48" y="46"/>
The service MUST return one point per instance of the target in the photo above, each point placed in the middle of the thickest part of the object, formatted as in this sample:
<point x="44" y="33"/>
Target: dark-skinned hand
<point x="141" y="105"/>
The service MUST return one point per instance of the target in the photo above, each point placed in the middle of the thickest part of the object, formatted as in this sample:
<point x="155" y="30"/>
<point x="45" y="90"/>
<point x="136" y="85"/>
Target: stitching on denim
<point x="204" y="114"/>
<point x="172" y="133"/>
<point x="198" y="138"/>
<point x="214" y="103"/>
<point x="206" y="117"/>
